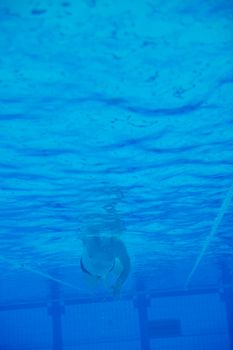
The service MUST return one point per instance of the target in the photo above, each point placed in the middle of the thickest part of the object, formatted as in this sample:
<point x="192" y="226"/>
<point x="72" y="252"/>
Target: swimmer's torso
<point x="99" y="255"/>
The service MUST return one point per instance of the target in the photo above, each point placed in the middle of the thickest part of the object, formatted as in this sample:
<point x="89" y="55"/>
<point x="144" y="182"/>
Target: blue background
<point x="121" y="102"/>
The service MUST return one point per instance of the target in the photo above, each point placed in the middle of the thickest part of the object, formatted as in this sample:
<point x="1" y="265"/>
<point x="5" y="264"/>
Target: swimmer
<point x="103" y="256"/>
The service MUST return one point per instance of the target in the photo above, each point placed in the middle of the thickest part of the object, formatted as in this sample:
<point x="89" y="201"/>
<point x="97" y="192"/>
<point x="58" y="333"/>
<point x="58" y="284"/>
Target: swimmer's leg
<point x="110" y="278"/>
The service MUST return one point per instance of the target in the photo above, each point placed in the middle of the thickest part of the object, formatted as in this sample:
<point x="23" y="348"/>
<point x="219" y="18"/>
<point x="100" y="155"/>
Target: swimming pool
<point x="116" y="118"/>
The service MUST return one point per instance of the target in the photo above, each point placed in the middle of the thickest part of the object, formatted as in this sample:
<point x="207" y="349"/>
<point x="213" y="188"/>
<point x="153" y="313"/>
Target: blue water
<point x="121" y="102"/>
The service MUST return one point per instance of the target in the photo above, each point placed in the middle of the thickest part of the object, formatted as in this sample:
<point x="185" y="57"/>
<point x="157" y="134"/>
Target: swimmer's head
<point x="99" y="224"/>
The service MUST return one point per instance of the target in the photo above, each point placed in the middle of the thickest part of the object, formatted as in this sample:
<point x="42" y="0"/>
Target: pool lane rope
<point x="215" y="226"/>
<point x="45" y="275"/>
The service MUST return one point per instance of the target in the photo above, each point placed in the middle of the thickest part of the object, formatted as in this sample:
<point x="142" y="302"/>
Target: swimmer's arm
<point x="122" y="255"/>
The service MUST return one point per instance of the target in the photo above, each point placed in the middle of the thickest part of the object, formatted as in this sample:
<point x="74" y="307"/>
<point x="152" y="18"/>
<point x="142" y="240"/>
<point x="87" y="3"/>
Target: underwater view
<point x="116" y="175"/>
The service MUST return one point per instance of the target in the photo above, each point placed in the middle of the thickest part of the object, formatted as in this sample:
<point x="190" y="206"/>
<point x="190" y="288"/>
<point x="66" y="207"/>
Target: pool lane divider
<point x="45" y="275"/>
<point x="223" y="209"/>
